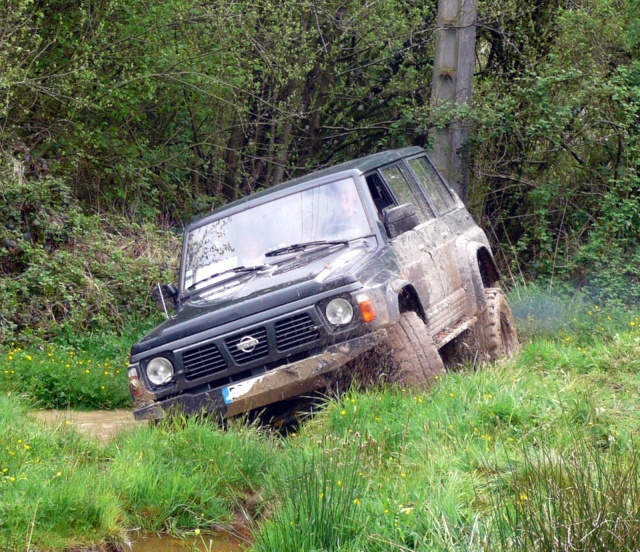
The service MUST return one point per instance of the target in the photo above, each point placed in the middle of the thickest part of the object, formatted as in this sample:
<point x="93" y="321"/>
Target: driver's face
<point x="348" y="198"/>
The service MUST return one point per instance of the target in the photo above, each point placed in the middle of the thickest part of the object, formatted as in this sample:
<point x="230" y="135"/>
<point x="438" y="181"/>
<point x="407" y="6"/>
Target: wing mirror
<point x="400" y="219"/>
<point x="165" y="297"/>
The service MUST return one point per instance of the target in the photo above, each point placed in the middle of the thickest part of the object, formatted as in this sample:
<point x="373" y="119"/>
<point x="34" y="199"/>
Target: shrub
<point x="63" y="271"/>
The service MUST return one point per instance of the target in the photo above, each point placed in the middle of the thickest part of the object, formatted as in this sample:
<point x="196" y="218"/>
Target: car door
<point x="424" y="252"/>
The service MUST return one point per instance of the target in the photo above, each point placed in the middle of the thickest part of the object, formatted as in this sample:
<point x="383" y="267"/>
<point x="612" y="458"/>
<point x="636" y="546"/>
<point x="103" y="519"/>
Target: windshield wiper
<point x="295" y="247"/>
<point x="236" y="270"/>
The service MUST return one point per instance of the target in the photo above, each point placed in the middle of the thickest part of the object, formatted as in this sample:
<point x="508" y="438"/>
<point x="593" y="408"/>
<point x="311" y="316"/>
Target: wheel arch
<point x="408" y="300"/>
<point x="489" y="271"/>
<point x="479" y="274"/>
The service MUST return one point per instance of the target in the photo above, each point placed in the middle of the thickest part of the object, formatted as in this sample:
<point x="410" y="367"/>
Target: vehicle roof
<point x="361" y="165"/>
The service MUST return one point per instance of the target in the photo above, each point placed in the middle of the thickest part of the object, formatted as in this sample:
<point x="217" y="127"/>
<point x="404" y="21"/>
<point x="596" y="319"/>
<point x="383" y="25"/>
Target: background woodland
<point x="120" y="120"/>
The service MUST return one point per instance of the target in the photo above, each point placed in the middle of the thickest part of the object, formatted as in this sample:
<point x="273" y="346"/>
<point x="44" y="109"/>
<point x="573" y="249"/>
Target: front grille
<point x="295" y="331"/>
<point x="257" y="346"/>
<point x="225" y="359"/>
<point x="202" y="361"/>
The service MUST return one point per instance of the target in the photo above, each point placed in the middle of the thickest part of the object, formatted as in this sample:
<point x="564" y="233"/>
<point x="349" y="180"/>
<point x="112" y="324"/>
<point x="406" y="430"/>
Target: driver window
<point x="404" y="193"/>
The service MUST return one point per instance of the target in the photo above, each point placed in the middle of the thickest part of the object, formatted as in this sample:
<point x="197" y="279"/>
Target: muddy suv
<point x="279" y="290"/>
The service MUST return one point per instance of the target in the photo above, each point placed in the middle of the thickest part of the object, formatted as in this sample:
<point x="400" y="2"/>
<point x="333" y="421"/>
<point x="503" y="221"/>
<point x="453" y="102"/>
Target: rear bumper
<point x="284" y="382"/>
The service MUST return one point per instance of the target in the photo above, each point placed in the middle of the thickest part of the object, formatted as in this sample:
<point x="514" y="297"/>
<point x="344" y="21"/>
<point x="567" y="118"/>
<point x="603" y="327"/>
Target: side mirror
<point x="165" y="297"/>
<point x="400" y="219"/>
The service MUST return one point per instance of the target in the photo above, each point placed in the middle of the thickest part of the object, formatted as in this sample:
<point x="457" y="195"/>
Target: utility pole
<point x="452" y="87"/>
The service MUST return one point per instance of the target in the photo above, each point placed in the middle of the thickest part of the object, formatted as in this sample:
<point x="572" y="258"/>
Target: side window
<point x="380" y="195"/>
<point x="399" y="184"/>
<point x="435" y="189"/>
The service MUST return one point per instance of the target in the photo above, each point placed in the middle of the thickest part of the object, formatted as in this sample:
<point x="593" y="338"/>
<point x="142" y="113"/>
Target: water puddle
<point x="100" y="424"/>
<point x="217" y="542"/>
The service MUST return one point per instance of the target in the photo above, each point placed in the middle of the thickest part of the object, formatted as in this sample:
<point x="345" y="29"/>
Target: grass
<point x="585" y="498"/>
<point x="536" y="453"/>
<point x="88" y="372"/>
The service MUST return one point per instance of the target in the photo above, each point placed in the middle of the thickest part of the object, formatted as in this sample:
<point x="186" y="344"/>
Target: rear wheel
<point x="495" y="331"/>
<point x="414" y="357"/>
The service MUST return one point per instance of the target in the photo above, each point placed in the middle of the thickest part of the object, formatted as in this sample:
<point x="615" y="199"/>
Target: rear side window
<point x="404" y="193"/>
<point x="436" y="190"/>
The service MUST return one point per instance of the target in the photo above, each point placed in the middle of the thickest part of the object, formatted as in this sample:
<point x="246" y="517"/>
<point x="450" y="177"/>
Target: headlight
<point x="339" y="312"/>
<point x="159" y="370"/>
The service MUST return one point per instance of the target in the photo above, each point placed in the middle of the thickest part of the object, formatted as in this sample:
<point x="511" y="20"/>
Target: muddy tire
<point x="495" y="333"/>
<point x="412" y="353"/>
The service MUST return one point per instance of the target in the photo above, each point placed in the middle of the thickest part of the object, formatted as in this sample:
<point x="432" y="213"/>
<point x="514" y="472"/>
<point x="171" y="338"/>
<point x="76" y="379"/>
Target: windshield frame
<point x="268" y="196"/>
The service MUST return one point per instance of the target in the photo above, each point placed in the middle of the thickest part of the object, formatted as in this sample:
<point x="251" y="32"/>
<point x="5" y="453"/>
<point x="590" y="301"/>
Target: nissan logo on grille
<point x="247" y="344"/>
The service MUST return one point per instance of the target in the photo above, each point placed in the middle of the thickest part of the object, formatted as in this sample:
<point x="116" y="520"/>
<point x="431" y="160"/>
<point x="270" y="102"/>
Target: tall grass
<point x="320" y="505"/>
<point x="187" y="474"/>
<point x="586" y="498"/>
<point x="555" y="314"/>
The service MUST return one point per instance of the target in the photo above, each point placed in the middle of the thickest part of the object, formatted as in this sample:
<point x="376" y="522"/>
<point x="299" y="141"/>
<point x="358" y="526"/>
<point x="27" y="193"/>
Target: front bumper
<point x="284" y="382"/>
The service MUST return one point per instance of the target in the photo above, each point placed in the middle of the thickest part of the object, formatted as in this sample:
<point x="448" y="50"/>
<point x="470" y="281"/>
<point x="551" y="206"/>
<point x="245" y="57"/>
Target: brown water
<point x="218" y="542"/>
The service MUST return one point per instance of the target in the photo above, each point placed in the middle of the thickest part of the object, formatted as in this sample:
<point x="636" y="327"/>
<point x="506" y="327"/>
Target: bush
<point x="63" y="271"/>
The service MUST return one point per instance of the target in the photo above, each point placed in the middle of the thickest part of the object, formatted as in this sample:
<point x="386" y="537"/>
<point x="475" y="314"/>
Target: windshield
<point x="330" y="212"/>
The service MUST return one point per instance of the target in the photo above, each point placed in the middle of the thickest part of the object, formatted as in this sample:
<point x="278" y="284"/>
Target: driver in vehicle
<point x="347" y="219"/>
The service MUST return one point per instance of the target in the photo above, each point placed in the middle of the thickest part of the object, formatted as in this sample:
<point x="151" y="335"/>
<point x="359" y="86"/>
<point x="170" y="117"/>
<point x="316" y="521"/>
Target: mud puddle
<point x="219" y="542"/>
<point x="99" y="424"/>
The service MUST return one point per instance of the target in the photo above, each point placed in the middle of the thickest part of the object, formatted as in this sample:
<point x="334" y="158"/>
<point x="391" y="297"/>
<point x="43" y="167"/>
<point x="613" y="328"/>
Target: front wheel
<point x="495" y="331"/>
<point x="414" y="356"/>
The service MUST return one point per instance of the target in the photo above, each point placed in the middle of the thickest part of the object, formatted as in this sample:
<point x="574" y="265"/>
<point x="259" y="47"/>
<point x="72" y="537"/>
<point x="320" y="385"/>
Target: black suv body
<point x="281" y="288"/>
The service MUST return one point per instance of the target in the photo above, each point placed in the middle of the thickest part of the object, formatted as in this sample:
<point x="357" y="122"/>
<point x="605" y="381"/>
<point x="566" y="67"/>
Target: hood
<point x="241" y="295"/>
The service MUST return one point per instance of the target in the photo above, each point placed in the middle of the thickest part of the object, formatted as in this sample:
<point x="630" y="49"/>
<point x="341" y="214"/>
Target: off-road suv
<point x="281" y="288"/>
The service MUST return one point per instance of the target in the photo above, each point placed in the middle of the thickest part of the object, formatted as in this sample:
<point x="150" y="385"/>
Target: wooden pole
<point x="452" y="87"/>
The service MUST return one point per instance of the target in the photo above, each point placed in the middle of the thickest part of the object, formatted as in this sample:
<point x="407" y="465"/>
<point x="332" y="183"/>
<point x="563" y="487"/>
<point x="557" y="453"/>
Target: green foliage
<point x="557" y="314"/>
<point x="187" y="474"/>
<point x="60" y="491"/>
<point x="50" y="476"/>
<point x="62" y="271"/>
<point x="555" y="144"/>
<point x="157" y="110"/>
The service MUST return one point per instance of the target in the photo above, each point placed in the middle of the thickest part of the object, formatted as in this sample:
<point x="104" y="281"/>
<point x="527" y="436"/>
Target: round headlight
<point x="339" y="312"/>
<point x="159" y="370"/>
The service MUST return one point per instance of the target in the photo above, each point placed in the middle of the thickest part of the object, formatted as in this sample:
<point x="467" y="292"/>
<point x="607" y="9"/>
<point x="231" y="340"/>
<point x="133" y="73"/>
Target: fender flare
<point x="479" y="271"/>
<point x="401" y="288"/>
